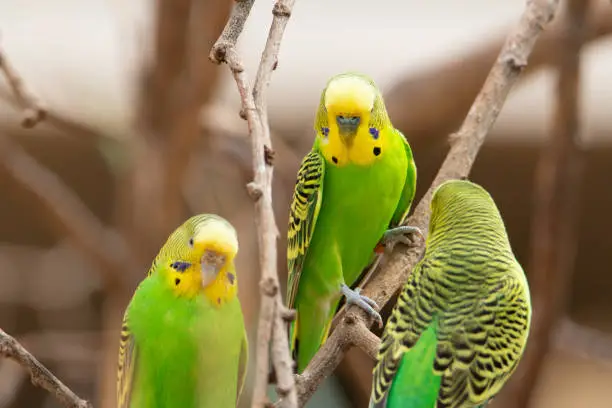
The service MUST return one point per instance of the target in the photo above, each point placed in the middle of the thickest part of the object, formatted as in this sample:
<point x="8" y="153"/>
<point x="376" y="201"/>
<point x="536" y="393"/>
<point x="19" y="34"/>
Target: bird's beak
<point x="347" y="127"/>
<point x="211" y="264"/>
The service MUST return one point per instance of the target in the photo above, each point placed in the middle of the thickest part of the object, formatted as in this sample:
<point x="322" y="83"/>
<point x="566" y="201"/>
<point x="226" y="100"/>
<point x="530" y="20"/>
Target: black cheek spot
<point x="231" y="278"/>
<point x="335" y="159"/>
<point x="218" y="301"/>
<point x="377" y="151"/>
<point x="177" y="281"/>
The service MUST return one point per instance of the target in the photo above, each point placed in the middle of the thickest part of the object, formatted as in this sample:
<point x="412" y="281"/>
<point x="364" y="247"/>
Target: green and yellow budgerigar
<point x="183" y="340"/>
<point x="353" y="190"/>
<point x="460" y="325"/>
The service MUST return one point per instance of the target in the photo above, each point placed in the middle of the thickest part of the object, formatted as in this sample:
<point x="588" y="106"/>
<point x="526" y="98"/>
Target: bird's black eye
<point x="191" y="242"/>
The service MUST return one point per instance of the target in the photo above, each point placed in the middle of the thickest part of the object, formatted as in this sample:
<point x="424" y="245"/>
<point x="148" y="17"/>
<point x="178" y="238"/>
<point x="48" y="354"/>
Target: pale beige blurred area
<point x="569" y="381"/>
<point x="89" y="61"/>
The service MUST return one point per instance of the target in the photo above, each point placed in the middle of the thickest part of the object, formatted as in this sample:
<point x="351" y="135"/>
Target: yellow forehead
<point x="217" y="236"/>
<point x="349" y="95"/>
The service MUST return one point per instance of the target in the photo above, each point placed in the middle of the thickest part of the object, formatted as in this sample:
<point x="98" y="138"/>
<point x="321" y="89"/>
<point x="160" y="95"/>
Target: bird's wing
<point x="409" y="190"/>
<point x="307" y="198"/>
<point x="125" y="370"/>
<point x="477" y="360"/>
<point x="242" y="365"/>
<point x="412" y="314"/>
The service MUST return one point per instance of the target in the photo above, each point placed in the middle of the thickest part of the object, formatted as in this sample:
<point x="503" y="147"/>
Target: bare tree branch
<point x="353" y="329"/>
<point x="556" y="200"/>
<point x="39" y="374"/>
<point x="419" y="102"/>
<point x="273" y="314"/>
<point x="67" y="214"/>
<point x="33" y="109"/>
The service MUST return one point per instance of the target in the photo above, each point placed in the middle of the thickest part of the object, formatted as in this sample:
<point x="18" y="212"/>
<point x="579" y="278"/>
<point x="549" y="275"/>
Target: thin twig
<point x="556" y="199"/>
<point x="269" y="59"/>
<point x="273" y="314"/>
<point x="39" y="374"/>
<point x="353" y="329"/>
<point x="419" y="101"/>
<point x="33" y="109"/>
<point x="67" y="214"/>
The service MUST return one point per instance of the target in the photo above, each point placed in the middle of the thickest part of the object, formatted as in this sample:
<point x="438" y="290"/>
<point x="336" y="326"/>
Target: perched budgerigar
<point x="353" y="190"/>
<point x="461" y="322"/>
<point x="183" y="340"/>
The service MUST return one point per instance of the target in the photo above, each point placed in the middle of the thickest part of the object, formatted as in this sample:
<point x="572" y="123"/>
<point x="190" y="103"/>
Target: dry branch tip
<point x="514" y="61"/>
<point x="269" y="154"/>
<point x="254" y="190"/>
<point x="287" y="314"/>
<point x="32" y="116"/>
<point x="39" y="374"/>
<point x="33" y="109"/>
<point x="269" y="286"/>
<point x="280" y="9"/>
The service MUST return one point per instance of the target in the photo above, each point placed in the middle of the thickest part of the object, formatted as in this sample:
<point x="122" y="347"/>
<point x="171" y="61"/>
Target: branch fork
<point x="272" y="337"/>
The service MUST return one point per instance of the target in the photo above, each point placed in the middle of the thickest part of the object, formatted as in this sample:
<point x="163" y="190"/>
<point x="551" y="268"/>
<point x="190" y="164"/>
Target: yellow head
<point x="198" y="257"/>
<point x="350" y="121"/>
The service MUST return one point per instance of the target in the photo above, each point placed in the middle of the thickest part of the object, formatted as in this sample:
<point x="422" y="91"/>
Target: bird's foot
<point x="356" y="298"/>
<point x="404" y="234"/>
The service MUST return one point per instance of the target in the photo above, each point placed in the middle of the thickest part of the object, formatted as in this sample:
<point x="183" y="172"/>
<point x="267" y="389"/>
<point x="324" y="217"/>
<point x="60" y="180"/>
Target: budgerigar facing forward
<point x="183" y="341"/>
<point x="461" y="323"/>
<point x="358" y="181"/>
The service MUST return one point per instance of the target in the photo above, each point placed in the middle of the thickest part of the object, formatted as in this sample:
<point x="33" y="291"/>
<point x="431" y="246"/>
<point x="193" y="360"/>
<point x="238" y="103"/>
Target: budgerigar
<point x="353" y="190"/>
<point x="461" y="323"/>
<point x="183" y="340"/>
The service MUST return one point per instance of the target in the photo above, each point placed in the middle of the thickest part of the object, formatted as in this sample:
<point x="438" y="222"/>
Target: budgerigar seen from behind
<point x="461" y="322"/>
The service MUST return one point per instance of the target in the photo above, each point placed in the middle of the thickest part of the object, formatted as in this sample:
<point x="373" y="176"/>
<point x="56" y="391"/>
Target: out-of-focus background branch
<point x="143" y="131"/>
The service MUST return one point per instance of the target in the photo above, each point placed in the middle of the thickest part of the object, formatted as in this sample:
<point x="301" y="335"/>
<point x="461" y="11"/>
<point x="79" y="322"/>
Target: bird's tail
<point x="415" y="384"/>
<point x="309" y="341"/>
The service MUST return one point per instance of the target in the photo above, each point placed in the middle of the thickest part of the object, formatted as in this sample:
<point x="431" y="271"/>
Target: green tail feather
<point x="415" y="384"/>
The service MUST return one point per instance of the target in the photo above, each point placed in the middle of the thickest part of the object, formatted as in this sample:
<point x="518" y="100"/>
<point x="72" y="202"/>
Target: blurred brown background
<point x="144" y="131"/>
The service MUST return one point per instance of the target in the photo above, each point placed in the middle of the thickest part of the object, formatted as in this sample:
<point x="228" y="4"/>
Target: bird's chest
<point x="176" y="340"/>
<point x="196" y="333"/>
<point x="364" y="198"/>
<point x="179" y="346"/>
<point x="358" y="204"/>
